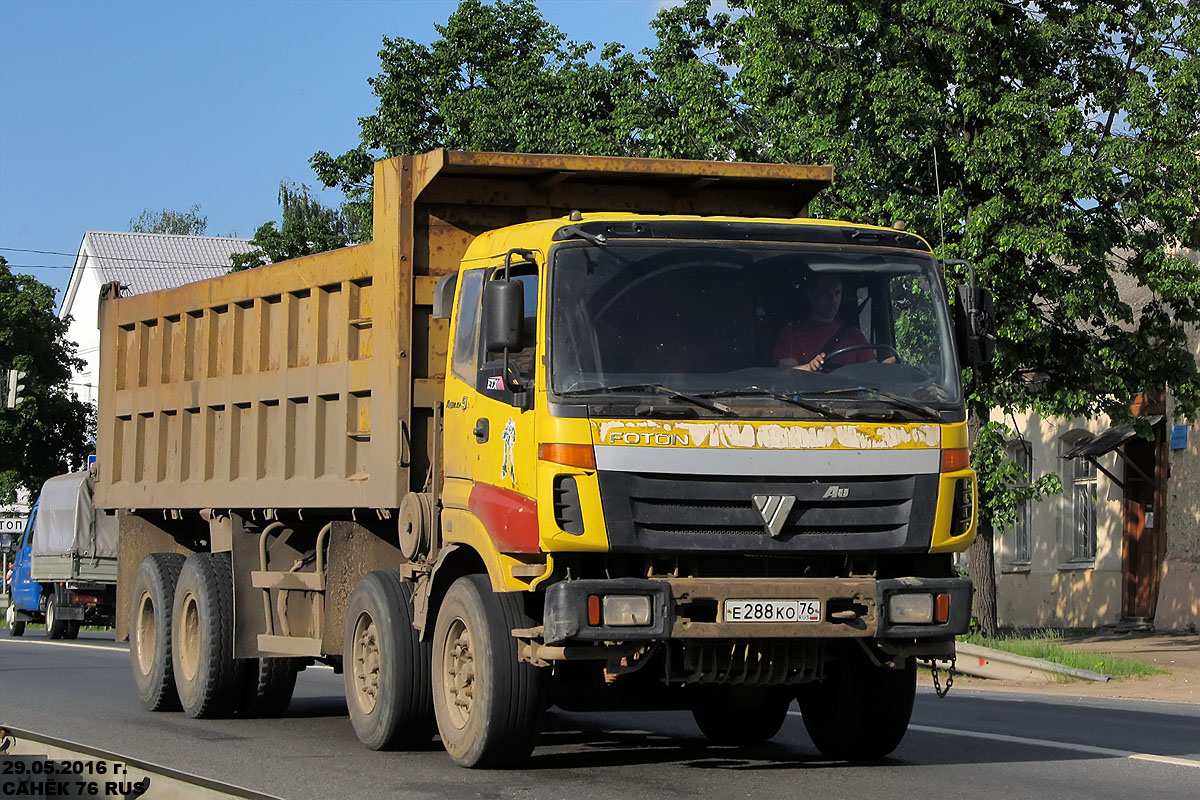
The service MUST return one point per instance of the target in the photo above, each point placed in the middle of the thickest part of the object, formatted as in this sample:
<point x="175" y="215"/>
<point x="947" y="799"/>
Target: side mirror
<point x="503" y="314"/>
<point x="974" y="325"/>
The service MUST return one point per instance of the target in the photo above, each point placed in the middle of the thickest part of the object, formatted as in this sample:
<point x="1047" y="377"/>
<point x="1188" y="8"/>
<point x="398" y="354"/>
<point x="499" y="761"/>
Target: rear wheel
<point x="206" y="675"/>
<point x="56" y="627"/>
<point x="488" y="703"/>
<point x="150" y="631"/>
<point x="72" y="630"/>
<point x="16" y="627"/>
<point x="386" y="666"/>
<point x="742" y="723"/>
<point x="267" y="686"/>
<point x="860" y="711"/>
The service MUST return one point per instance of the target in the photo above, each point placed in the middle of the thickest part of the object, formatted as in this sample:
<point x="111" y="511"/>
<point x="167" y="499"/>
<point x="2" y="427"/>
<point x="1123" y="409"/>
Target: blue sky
<point x="109" y="108"/>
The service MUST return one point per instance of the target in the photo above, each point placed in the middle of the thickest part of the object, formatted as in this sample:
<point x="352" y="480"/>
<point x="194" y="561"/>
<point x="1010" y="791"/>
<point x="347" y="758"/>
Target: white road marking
<point x="76" y="644"/>
<point x="1078" y="748"/>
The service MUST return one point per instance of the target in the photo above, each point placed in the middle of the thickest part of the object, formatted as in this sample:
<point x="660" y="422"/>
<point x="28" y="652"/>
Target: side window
<point x="489" y="379"/>
<point x="463" y="363"/>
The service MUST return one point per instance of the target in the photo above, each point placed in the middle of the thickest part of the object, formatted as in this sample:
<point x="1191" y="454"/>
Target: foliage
<point x="49" y="432"/>
<point x="501" y="78"/>
<point x="1004" y="486"/>
<point x="307" y="227"/>
<point x="182" y="223"/>
<point x="1048" y="646"/>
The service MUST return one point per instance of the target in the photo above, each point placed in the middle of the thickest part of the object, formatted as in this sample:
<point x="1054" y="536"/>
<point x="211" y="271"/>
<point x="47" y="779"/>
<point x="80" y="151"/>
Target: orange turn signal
<point x="942" y="608"/>
<point x="955" y="458"/>
<point x="572" y="455"/>
<point x="593" y="609"/>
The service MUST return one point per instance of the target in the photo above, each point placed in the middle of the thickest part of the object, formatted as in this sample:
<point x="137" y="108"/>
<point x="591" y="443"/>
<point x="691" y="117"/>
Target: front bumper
<point x="692" y="608"/>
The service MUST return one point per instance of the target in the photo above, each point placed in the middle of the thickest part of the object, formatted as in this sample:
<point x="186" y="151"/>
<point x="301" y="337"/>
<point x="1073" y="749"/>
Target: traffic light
<point x="14" y="387"/>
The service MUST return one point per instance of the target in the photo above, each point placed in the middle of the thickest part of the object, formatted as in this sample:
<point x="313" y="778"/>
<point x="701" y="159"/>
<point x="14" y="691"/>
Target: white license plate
<point x="772" y="610"/>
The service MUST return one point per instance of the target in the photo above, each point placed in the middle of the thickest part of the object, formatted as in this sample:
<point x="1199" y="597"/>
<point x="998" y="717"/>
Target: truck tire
<point x="386" y="666"/>
<point x="150" y="631"/>
<point x="742" y="724"/>
<point x="56" y="628"/>
<point x="16" y="627"/>
<point x="72" y="630"/>
<point x="267" y="686"/>
<point x="860" y="711"/>
<point x="207" y="677"/>
<point x="488" y="703"/>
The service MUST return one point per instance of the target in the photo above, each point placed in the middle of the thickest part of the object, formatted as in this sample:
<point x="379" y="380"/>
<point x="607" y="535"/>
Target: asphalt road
<point x="972" y="744"/>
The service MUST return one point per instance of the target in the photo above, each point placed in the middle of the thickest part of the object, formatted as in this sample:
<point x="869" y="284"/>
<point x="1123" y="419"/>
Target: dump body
<point x="311" y="383"/>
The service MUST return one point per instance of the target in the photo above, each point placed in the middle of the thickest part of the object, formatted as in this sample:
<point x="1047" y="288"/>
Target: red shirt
<point x="803" y="340"/>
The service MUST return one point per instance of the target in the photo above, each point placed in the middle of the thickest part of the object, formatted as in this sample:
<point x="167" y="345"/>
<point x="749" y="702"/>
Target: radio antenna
<point x="937" y="180"/>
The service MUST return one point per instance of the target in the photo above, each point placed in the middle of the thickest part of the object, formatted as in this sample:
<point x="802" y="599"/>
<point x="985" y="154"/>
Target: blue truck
<point x="65" y="572"/>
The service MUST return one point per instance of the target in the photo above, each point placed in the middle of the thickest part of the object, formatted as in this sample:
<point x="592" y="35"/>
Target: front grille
<point x="655" y="513"/>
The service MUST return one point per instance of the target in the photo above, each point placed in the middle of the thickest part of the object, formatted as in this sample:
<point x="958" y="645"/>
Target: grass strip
<point x="1047" y="645"/>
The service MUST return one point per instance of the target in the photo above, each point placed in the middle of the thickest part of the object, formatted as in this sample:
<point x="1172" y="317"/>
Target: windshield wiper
<point x="759" y="391"/>
<point x="920" y="409"/>
<point x="575" y="232"/>
<point x="655" y="388"/>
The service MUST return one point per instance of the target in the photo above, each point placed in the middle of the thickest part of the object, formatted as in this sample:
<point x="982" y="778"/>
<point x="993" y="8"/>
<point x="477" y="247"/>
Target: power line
<point x="112" y="261"/>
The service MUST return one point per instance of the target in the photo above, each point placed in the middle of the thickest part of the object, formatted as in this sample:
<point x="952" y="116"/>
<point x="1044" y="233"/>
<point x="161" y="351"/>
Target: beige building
<point x="1121" y="544"/>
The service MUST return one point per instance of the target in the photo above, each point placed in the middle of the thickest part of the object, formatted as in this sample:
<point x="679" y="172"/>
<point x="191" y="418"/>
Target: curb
<point x="984" y="662"/>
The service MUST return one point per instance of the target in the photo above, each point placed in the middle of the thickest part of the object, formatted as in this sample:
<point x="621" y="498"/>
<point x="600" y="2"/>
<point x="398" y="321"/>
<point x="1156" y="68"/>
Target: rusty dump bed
<point x="311" y="383"/>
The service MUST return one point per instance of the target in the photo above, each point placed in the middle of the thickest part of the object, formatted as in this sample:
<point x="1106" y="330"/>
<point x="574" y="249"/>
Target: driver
<point x="802" y="344"/>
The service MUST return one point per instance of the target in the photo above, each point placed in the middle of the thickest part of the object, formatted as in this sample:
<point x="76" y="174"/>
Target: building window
<point x="1079" y="486"/>
<point x="1021" y="454"/>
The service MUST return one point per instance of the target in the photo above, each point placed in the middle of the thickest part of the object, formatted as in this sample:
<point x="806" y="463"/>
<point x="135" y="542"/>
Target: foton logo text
<point x="637" y="437"/>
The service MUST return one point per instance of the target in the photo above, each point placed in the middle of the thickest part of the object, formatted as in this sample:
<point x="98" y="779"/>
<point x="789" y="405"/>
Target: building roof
<point x="147" y="262"/>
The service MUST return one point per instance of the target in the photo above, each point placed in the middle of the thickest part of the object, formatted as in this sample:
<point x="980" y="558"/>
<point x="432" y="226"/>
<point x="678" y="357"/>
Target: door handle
<point x="481" y="430"/>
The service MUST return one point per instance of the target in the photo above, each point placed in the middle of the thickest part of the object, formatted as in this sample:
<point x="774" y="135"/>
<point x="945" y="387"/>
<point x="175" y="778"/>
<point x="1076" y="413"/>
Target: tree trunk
<point x="983" y="575"/>
<point x="982" y="555"/>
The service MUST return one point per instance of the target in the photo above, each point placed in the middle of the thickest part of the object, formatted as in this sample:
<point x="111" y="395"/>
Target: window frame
<point x="1077" y="482"/>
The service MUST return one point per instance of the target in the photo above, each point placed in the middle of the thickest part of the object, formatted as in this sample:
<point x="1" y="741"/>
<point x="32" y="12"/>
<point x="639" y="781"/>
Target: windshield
<point x="729" y="319"/>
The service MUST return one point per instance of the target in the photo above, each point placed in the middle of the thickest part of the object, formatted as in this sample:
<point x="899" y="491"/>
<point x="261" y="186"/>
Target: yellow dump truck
<point x="598" y="433"/>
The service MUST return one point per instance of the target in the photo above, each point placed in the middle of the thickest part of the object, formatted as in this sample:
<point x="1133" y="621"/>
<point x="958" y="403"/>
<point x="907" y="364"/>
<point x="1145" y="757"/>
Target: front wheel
<point x="56" y="628"/>
<point x="860" y="711"/>
<point x="16" y="627"/>
<point x="488" y="703"/>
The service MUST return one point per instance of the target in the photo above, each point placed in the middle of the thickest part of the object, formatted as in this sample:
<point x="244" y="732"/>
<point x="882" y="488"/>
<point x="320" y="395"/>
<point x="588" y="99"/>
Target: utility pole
<point x="15" y="387"/>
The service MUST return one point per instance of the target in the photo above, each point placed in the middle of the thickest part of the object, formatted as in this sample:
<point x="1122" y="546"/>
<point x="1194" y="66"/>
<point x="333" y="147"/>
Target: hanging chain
<point x="950" y="673"/>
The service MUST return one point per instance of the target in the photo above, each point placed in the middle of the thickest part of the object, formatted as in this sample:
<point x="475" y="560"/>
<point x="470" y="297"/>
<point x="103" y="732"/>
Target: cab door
<point x="502" y="432"/>
<point x="26" y="594"/>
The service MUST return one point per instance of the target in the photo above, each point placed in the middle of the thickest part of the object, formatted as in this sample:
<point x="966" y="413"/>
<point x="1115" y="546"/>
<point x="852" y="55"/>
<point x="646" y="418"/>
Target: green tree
<point x="307" y="227"/>
<point x="501" y="78"/>
<point x="49" y="432"/>
<point x="182" y="223"/>
<point x="1064" y="137"/>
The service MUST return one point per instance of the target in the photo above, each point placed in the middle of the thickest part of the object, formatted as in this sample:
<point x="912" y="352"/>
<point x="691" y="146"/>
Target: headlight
<point x="624" y="609"/>
<point x="911" y="609"/>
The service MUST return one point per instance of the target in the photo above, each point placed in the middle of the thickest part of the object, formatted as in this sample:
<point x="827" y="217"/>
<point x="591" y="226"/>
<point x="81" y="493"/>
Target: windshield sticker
<point x="507" y="468"/>
<point x="495" y="384"/>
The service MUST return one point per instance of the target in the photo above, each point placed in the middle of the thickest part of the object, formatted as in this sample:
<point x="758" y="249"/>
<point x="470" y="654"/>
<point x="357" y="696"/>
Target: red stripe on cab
<point x="510" y="518"/>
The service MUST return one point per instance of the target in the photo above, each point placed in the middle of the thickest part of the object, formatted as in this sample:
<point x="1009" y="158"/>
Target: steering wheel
<point x="876" y="347"/>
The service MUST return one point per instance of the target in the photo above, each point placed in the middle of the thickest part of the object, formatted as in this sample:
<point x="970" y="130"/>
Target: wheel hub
<point x="458" y="664"/>
<point x="147" y="634"/>
<point x="366" y="663"/>
<point x="189" y="637"/>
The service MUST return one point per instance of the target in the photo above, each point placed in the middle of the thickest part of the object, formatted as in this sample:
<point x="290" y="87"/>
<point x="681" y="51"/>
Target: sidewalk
<point x="1179" y="653"/>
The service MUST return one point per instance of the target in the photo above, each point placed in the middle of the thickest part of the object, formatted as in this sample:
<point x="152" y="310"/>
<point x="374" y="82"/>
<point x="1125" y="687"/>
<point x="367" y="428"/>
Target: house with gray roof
<point x="140" y="262"/>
